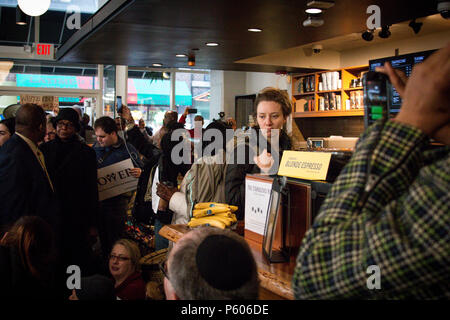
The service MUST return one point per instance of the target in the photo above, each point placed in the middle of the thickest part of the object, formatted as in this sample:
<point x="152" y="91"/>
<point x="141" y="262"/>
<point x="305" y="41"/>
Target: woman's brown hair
<point x="33" y="239"/>
<point x="275" y="95"/>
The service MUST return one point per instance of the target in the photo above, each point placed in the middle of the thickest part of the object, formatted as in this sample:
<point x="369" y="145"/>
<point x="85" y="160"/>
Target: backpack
<point x="205" y="182"/>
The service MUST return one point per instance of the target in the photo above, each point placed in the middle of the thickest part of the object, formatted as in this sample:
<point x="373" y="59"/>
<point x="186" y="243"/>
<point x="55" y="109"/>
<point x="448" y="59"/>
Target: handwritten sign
<point x="115" y="179"/>
<point x="257" y="195"/>
<point x="48" y="103"/>
<point x="305" y="165"/>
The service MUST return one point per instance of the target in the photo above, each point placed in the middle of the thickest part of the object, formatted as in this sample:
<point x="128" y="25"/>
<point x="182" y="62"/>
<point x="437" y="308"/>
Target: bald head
<point x="31" y="122"/>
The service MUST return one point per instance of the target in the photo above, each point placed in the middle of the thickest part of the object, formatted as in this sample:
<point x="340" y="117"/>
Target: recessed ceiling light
<point x="254" y="30"/>
<point x="180" y="55"/>
<point x="185" y="69"/>
<point x="212" y="44"/>
<point x="157" y="65"/>
<point x="313" y="10"/>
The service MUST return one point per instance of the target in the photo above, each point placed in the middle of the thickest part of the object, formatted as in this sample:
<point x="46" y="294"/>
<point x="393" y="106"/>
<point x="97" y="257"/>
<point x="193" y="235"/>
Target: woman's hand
<point x="264" y="161"/>
<point x="165" y="192"/>
<point x="136" y="172"/>
<point x="73" y="296"/>
<point x="425" y="95"/>
<point x="126" y="114"/>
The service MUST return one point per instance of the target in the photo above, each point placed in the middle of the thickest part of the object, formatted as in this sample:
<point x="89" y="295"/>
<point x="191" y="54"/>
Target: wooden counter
<point x="275" y="278"/>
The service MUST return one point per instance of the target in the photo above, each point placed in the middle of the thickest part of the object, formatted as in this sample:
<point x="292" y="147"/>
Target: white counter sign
<point x="257" y="195"/>
<point x="115" y="179"/>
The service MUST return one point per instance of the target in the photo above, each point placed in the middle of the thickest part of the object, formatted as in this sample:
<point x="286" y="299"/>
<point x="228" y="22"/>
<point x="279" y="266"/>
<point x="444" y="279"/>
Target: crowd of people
<point x="389" y="206"/>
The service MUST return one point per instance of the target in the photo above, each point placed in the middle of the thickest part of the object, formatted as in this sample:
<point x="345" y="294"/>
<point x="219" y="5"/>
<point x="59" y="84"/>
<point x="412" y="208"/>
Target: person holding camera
<point x="384" y="233"/>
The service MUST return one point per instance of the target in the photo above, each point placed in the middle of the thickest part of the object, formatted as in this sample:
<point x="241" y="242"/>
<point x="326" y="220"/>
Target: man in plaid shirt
<point x="395" y="218"/>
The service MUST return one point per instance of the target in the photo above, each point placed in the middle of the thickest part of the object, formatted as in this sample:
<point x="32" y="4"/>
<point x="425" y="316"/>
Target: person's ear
<point x="170" y="291"/>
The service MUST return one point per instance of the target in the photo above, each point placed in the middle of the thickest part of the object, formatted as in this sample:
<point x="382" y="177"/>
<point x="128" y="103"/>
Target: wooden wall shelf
<point x="330" y="113"/>
<point x="311" y="81"/>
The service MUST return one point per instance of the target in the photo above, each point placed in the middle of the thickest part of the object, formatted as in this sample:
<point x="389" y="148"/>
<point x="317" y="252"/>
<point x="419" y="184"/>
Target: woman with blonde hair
<point x="125" y="268"/>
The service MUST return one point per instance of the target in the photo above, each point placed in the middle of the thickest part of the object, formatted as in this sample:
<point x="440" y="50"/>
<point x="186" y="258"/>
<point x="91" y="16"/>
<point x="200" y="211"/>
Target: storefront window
<point x="149" y="96"/>
<point x="109" y="90"/>
<point x="199" y="87"/>
<point x="46" y="75"/>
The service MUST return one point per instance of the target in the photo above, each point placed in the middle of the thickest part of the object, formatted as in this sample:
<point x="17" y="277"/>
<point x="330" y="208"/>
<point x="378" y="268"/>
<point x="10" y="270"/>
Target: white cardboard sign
<point x="115" y="179"/>
<point x="257" y="195"/>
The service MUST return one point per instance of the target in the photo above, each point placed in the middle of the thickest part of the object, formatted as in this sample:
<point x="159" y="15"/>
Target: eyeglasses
<point x="120" y="258"/>
<point x="65" y="124"/>
<point x="163" y="268"/>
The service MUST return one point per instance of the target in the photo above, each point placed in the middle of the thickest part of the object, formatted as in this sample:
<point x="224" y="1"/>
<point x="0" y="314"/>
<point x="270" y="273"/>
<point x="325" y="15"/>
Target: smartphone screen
<point x="375" y="97"/>
<point x="119" y="104"/>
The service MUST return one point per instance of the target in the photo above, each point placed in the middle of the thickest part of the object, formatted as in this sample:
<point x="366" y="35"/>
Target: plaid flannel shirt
<point x="403" y="227"/>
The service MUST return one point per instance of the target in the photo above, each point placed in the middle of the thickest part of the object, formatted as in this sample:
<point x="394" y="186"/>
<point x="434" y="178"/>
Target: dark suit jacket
<point x="24" y="188"/>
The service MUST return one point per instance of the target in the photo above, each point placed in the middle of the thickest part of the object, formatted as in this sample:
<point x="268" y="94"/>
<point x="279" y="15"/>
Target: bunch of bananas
<point x="215" y="214"/>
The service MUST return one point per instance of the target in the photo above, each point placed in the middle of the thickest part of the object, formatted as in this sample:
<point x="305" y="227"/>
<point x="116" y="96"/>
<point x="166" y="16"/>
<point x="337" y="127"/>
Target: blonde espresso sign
<point x="305" y="165"/>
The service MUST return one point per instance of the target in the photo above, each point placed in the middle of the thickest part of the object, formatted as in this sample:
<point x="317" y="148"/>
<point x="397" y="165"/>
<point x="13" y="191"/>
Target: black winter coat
<point x="72" y="166"/>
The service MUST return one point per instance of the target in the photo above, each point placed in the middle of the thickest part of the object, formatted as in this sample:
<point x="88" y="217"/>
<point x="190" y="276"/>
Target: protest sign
<point x="115" y="179"/>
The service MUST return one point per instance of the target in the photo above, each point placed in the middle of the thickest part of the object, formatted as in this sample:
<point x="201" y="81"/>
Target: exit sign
<point x="44" y="49"/>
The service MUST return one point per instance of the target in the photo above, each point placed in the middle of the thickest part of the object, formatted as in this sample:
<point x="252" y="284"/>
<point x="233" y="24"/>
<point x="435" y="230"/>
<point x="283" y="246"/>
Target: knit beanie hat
<point x="70" y="115"/>
<point x="224" y="263"/>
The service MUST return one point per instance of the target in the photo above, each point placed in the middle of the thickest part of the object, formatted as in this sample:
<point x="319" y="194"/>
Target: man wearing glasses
<point x="72" y="167"/>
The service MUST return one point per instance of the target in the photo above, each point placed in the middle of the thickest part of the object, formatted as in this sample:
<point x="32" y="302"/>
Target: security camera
<point x="317" y="48"/>
<point x="313" y="21"/>
<point x="444" y="9"/>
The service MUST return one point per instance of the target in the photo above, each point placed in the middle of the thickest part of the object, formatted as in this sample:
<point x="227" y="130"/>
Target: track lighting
<point x="415" y="26"/>
<point x="367" y="35"/>
<point x="21" y="18"/>
<point x="191" y="60"/>
<point x="384" y="33"/>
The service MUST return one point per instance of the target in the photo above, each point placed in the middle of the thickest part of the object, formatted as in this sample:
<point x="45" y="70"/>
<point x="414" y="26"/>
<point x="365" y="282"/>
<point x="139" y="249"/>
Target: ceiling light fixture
<point x="313" y="10"/>
<point x="384" y="33"/>
<point x="180" y="55"/>
<point x="166" y="75"/>
<point x="415" y="26"/>
<point x="367" y="35"/>
<point x="34" y="8"/>
<point x="191" y="60"/>
<point x="212" y="44"/>
<point x="313" y="20"/>
<point x="254" y="30"/>
<point x="21" y="19"/>
<point x="157" y="65"/>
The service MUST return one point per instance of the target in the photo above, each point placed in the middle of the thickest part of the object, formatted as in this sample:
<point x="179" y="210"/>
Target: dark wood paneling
<point x="324" y="127"/>
<point x="154" y="31"/>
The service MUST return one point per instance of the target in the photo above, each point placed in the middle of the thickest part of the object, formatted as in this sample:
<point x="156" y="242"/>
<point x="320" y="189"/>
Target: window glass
<point x="149" y="96"/>
<point x="45" y="75"/>
<point x="199" y="87"/>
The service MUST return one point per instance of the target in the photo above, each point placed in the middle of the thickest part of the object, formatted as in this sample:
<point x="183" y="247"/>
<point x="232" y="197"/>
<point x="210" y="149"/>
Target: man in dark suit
<point x="72" y="166"/>
<point x="25" y="186"/>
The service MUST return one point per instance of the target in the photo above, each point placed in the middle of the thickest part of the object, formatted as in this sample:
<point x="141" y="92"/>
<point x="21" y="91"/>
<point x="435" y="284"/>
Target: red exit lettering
<point x="43" y="49"/>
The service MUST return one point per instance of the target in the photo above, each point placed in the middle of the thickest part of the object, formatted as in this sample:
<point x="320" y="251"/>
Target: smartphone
<point x="119" y="104"/>
<point x="192" y="111"/>
<point x="376" y="97"/>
